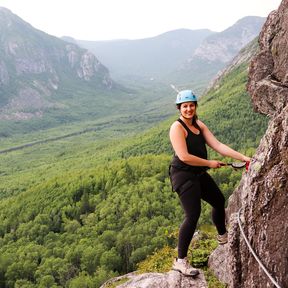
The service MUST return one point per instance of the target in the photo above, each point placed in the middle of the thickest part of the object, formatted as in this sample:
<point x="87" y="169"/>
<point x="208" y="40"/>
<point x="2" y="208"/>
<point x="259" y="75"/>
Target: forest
<point x="80" y="210"/>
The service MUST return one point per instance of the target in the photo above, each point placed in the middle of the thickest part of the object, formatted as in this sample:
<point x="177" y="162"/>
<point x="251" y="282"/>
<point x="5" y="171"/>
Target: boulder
<point x="171" y="279"/>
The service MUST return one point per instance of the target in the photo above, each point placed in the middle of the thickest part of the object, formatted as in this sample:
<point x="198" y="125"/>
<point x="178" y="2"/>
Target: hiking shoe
<point x="222" y="239"/>
<point x="184" y="267"/>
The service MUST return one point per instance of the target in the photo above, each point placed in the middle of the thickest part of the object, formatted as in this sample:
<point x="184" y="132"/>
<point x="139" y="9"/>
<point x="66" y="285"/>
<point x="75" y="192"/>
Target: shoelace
<point x="222" y="237"/>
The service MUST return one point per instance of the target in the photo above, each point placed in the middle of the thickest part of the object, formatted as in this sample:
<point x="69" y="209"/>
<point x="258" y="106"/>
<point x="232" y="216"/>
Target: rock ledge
<point x="171" y="279"/>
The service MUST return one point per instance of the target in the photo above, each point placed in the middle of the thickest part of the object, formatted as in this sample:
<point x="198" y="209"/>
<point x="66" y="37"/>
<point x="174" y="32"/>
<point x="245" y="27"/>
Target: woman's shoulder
<point x="177" y="126"/>
<point x="201" y="124"/>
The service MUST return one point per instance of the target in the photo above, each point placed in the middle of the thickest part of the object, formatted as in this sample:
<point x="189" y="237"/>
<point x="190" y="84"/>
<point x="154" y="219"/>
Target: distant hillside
<point x="227" y="109"/>
<point x="147" y="58"/>
<point x="183" y="57"/>
<point x="217" y="50"/>
<point x="39" y="72"/>
<point x="244" y="56"/>
<point x="46" y="82"/>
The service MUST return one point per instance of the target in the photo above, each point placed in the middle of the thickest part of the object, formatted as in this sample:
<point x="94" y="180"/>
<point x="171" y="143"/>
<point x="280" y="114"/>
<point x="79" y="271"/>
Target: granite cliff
<point x="260" y="203"/>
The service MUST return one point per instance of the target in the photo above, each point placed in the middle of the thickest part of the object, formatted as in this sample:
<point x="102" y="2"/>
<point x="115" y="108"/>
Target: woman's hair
<point x="195" y="117"/>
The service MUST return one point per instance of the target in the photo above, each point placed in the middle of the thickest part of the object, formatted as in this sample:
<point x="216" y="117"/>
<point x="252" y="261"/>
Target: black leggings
<point x="191" y="191"/>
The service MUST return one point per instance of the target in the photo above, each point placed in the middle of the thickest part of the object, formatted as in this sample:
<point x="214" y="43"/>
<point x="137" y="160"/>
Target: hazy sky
<point x="133" y="19"/>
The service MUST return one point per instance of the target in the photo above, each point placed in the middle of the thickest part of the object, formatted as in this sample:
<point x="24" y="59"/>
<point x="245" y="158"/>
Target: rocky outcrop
<point x="225" y="45"/>
<point x="243" y="57"/>
<point x="217" y="50"/>
<point x="172" y="279"/>
<point x="262" y="193"/>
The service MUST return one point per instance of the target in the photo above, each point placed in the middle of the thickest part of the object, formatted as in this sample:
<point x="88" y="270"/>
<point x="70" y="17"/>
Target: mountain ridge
<point x="240" y="34"/>
<point x="139" y="55"/>
<point x="217" y="50"/>
<point x="34" y="66"/>
<point x="196" y="63"/>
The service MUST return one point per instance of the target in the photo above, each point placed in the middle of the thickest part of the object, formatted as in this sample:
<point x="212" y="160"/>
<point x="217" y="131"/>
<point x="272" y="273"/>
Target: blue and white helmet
<point x="185" y="96"/>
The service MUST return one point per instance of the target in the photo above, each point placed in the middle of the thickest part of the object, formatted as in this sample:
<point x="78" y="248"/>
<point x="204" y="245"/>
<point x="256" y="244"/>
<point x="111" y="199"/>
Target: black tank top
<point x="196" y="145"/>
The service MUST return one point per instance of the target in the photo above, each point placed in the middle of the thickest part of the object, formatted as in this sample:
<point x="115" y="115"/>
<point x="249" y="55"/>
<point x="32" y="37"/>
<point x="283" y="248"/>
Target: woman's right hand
<point x="215" y="164"/>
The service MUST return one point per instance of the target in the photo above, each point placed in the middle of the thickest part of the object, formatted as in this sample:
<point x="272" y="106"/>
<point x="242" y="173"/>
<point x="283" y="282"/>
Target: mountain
<point x="217" y="50"/>
<point x="180" y="57"/>
<point x="146" y="58"/>
<point x="37" y="69"/>
<point x="223" y="46"/>
<point x="244" y="56"/>
<point x="46" y="81"/>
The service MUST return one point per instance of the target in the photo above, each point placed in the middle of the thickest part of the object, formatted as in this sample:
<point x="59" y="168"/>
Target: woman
<point x="189" y="178"/>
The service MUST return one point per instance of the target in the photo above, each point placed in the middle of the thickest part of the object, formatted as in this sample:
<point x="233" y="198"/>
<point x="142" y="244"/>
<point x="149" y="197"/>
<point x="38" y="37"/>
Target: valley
<point x="87" y="196"/>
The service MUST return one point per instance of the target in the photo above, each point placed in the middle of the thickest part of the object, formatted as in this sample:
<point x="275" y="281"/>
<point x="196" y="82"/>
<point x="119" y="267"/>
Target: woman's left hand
<point x="246" y="159"/>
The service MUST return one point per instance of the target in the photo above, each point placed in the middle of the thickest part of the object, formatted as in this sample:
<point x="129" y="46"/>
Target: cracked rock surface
<point x="262" y="193"/>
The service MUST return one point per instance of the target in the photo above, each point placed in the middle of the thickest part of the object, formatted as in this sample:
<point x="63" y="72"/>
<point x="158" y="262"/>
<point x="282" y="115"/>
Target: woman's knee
<point x="193" y="216"/>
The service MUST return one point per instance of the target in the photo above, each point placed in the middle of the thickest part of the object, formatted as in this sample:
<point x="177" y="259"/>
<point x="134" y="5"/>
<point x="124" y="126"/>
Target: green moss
<point x="160" y="261"/>
<point x="212" y="280"/>
<point x="202" y="246"/>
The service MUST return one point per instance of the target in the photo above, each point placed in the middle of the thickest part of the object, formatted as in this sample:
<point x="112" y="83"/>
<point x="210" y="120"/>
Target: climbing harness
<point x="253" y="252"/>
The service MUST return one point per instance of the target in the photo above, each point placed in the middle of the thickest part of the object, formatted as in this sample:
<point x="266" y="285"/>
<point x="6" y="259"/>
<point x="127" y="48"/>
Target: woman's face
<point x="188" y="109"/>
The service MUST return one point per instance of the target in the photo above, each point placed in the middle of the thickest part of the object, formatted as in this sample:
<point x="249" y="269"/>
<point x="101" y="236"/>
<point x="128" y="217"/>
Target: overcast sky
<point x="133" y="19"/>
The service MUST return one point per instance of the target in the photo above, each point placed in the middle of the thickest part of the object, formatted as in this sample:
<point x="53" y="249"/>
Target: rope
<point x="254" y="254"/>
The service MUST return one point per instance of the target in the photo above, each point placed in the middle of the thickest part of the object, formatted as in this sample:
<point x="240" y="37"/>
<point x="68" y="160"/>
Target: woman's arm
<point x="219" y="147"/>
<point x="178" y="141"/>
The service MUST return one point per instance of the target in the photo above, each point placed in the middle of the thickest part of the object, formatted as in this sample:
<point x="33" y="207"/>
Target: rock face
<point x="172" y="279"/>
<point x="262" y="193"/>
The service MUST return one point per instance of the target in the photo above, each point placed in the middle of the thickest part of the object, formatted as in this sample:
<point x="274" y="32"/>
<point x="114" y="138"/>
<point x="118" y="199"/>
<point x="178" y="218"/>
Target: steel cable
<point x="253" y="252"/>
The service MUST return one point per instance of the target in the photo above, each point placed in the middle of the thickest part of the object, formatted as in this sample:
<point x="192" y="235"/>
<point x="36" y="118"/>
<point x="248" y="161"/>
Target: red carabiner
<point x="247" y="165"/>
